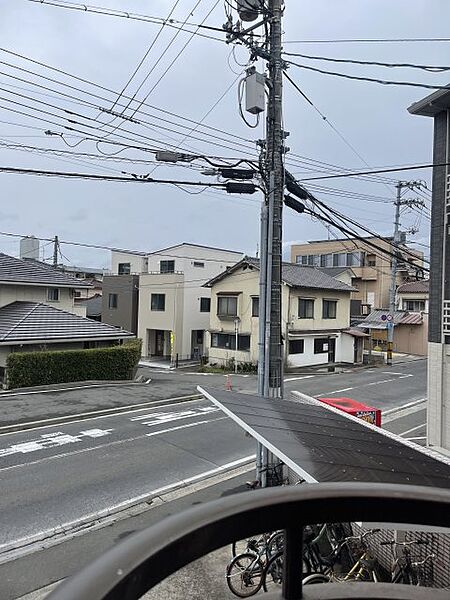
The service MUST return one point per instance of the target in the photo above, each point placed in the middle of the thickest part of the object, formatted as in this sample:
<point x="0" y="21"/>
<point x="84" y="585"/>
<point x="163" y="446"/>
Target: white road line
<point x="102" y="416"/>
<point x="298" y="378"/>
<point x="379" y="382"/>
<point x="184" y="426"/>
<point x="392" y="373"/>
<point x="335" y="391"/>
<point x="413" y="439"/>
<point x="412" y="429"/>
<point x="407" y="375"/>
<point x="95" y="516"/>
<point x="403" y="406"/>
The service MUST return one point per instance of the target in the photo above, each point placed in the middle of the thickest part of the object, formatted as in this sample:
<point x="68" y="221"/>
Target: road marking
<point x="131" y="409"/>
<point x="403" y="406"/>
<point x="412" y="429"/>
<point x="8" y="394"/>
<point x="416" y="438"/>
<point x="70" y="529"/>
<point x="392" y="373"/>
<point x="184" y="426"/>
<point x="335" y="391"/>
<point x="164" y="417"/>
<point x="298" y="378"/>
<point x="379" y="382"/>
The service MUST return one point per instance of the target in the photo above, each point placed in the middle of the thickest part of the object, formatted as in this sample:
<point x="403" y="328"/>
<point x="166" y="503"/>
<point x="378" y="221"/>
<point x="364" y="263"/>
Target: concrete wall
<point x="138" y="262"/>
<point x="34" y="293"/>
<point x="438" y="407"/>
<point x="127" y="289"/>
<point x="412" y="339"/>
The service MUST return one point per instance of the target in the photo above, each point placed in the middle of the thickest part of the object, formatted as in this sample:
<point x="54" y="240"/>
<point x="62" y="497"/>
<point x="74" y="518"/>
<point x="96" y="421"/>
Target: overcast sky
<point x="106" y="50"/>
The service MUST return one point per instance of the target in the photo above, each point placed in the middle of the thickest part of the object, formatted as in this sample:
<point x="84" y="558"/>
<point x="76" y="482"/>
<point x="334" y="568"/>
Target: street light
<point x="236" y="333"/>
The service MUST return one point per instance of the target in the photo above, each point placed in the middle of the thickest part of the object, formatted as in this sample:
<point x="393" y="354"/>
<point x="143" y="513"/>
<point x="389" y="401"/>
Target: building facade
<point x="173" y="305"/>
<point x="414" y="296"/>
<point x="120" y="301"/>
<point x="437" y="106"/>
<point x="315" y="317"/>
<point x="371" y="268"/>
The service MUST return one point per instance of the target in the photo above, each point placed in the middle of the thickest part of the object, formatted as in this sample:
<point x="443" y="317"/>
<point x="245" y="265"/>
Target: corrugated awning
<point x="322" y="444"/>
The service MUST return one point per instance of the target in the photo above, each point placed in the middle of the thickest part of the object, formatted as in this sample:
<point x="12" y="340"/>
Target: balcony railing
<point x="142" y="561"/>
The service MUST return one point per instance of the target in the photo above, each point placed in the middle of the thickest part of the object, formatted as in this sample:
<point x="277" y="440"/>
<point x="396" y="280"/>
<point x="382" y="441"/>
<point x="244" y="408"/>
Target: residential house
<point x="371" y="266"/>
<point x="120" y="301"/>
<point x="93" y="306"/>
<point x="410" y="331"/>
<point x="315" y="316"/>
<point x="414" y="296"/>
<point x="33" y="281"/>
<point x="88" y="274"/>
<point x="172" y="304"/>
<point x="35" y="326"/>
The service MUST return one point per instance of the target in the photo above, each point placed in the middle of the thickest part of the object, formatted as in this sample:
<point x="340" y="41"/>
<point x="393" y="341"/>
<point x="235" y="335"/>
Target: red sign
<point x="357" y="409"/>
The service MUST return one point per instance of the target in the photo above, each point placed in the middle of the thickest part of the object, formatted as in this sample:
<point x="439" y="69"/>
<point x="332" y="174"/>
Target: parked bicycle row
<point x="331" y="553"/>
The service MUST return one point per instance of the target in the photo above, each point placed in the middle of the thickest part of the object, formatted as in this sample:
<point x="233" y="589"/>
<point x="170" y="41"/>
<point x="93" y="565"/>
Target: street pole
<point x="393" y="288"/>
<point x="274" y="164"/>
<point x="236" y="333"/>
<point x="55" y="251"/>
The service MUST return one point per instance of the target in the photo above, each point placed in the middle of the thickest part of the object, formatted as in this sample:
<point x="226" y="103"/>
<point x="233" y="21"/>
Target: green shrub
<point x="26" y="369"/>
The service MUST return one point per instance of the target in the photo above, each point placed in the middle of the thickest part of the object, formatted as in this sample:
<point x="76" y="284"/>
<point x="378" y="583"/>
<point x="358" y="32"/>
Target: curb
<point x="92" y="414"/>
<point x="45" y="390"/>
<point x="127" y="509"/>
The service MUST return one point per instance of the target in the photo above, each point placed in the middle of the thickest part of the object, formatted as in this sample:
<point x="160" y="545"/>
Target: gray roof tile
<point x="29" y="322"/>
<point x="26" y="270"/>
<point x="294" y="275"/>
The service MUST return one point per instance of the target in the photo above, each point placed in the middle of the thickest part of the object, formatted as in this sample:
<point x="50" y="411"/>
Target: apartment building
<point x="173" y="306"/>
<point x="315" y="317"/>
<point x="370" y="266"/>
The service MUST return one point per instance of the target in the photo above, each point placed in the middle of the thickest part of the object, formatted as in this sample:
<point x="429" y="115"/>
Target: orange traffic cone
<point x="228" y="384"/>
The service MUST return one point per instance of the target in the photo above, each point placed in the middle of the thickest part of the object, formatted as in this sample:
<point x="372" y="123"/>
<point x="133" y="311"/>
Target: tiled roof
<point x="415" y="287"/>
<point x="294" y="275"/>
<point x="401" y="317"/>
<point x="333" y="271"/>
<point x="31" y="322"/>
<point x="29" y="271"/>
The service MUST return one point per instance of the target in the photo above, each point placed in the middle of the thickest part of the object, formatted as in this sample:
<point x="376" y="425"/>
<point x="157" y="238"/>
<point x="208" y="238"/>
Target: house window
<point x="313" y="260"/>
<point x="329" y="309"/>
<point x="355" y="259"/>
<point x="53" y="294"/>
<point x="205" y="304"/>
<point x="414" y="305"/>
<point x="227" y="306"/>
<point x="77" y="294"/>
<point x="326" y="260"/>
<point x="301" y="260"/>
<point x="255" y="306"/>
<point x="227" y="341"/>
<point x="198" y="264"/>
<point x="371" y="260"/>
<point x="158" y="302"/>
<point x="296" y="346"/>
<point x="321" y="345"/>
<point x="167" y="266"/>
<point x="112" y="301"/>
<point x="124" y="268"/>
<point x="339" y="260"/>
<point x="305" y="308"/>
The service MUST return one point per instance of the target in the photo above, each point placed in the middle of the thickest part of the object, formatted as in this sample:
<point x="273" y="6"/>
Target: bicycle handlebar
<point x="411" y="543"/>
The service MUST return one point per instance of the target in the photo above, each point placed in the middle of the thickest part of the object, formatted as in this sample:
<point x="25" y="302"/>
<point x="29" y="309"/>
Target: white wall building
<point x="174" y="306"/>
<point x="315" y="316"/>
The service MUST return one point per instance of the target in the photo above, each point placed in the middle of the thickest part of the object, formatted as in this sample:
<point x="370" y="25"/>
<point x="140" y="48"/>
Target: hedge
<point x="26" y="369"/>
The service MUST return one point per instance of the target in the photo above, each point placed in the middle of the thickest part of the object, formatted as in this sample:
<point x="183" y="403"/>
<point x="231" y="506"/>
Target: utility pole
<point x="55" y="251"/>
<point x="393" y="288"/>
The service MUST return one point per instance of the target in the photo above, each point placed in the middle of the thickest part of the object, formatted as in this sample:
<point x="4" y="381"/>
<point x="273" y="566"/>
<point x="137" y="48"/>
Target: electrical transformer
<point x="249" y="9"/>
<point x="254" y="91"/>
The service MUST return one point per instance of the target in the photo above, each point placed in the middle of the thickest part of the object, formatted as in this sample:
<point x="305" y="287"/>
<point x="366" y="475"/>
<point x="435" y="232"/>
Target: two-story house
<point x="371" y="267"/>
<point x="38" y="310"/>
<point x="315" y="316"/>
<point x="164" y="289"/>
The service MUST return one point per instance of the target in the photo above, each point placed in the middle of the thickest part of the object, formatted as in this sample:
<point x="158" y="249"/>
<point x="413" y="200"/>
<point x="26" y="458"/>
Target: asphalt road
<point x="54" y="476"/>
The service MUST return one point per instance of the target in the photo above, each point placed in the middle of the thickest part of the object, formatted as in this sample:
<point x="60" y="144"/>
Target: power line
<point x="365" y="41"/>
<point x="391" y="170"/>
<point x="435" y="69"/>
<point x="371" y="79"/>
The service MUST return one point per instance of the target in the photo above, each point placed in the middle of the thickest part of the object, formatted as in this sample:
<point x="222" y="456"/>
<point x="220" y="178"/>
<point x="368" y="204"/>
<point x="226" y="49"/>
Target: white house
<point x="315" y="316"/>
<point x="173" y="305"/>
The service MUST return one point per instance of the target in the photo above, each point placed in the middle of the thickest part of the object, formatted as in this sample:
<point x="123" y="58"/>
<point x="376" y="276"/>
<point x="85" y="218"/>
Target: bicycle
<point x="404" y="569"/>
<point x="364" y="568"/>
<point x="244" y="574"/>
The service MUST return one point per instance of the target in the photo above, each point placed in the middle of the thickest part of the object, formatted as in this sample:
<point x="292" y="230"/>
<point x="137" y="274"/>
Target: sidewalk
<point x="204" y="578"/>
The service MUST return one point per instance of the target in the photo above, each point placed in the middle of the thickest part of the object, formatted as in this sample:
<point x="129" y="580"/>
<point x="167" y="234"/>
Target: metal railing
<point x="145" y="559"/>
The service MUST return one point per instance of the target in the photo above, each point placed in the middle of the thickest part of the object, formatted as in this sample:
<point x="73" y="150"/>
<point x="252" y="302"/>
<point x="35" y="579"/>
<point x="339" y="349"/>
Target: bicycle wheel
<point x="244" y="575"/>
<point x="275" y="543"/>
<point x="273" y="572"/>
<point x="239" y="547"/>
<point x="316" y="578"/>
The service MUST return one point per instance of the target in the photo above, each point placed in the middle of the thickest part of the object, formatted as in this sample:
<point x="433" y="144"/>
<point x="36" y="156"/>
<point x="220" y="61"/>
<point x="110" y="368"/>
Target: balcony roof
<point x="432" y="104"/>
<point x="322" y="444"/>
